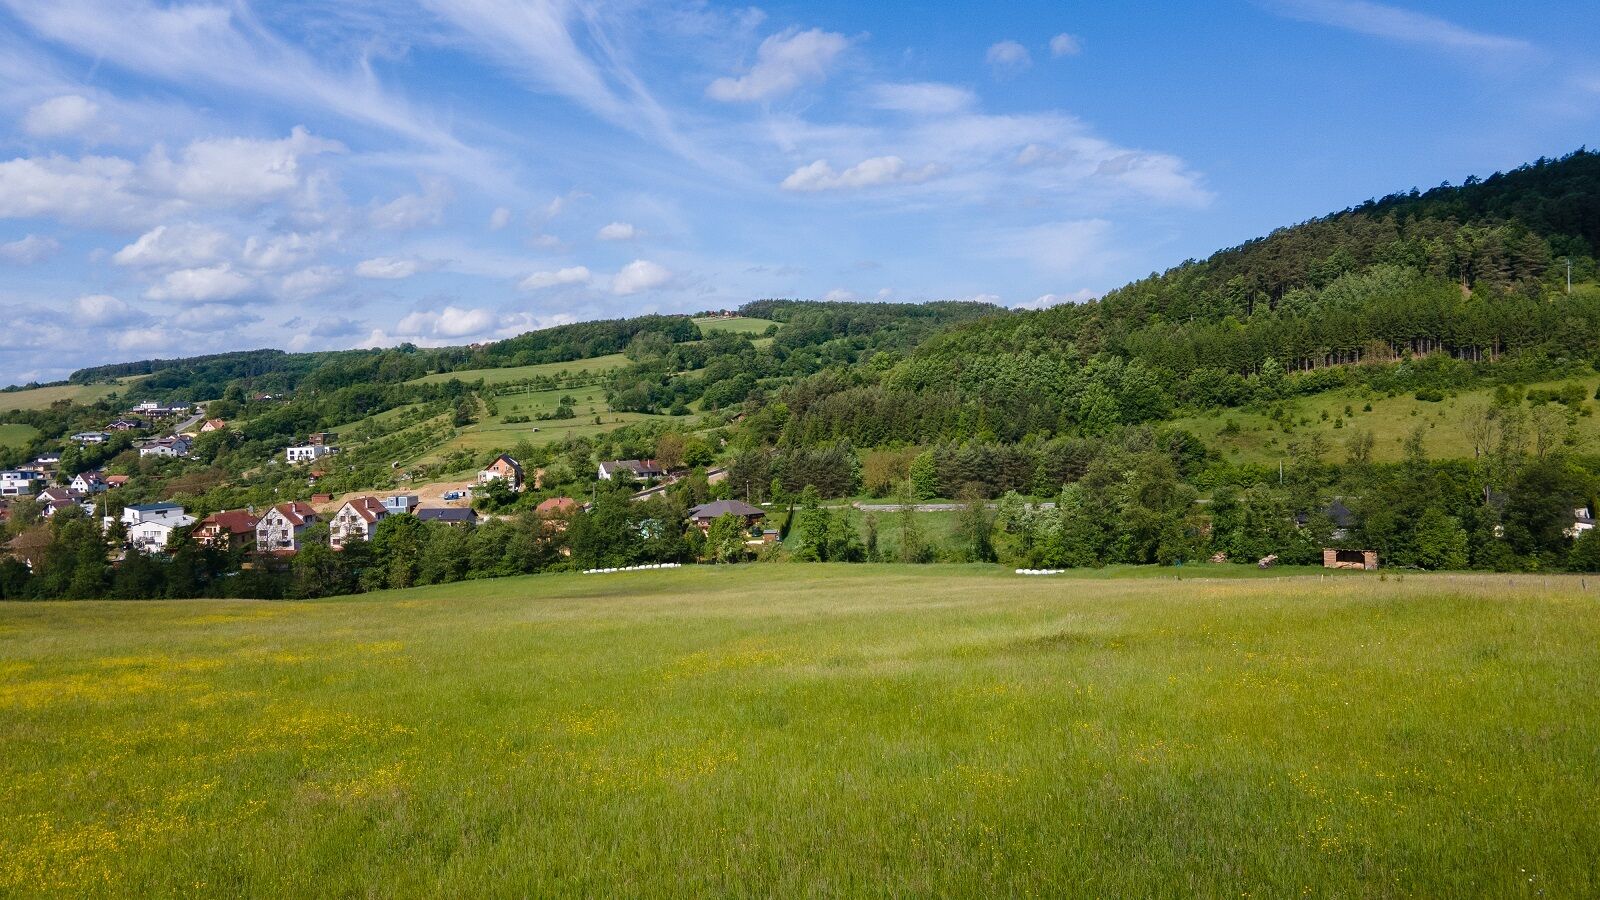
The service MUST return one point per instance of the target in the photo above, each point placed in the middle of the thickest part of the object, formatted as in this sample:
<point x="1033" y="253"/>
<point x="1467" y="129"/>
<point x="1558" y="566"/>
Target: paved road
<point x="188" y="423"/>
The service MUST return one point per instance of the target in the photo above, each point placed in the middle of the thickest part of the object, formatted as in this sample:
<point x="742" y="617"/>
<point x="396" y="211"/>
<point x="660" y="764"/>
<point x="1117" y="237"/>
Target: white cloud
<point x="311" y="282"/>
<point x="179" y="246"/>
<point x="60" y="116"/>
<point x="784" y="61"/>
<point x="570" y="275"/>
<point x="640" y="275"/>
<point x="226" y="171"/>
<point x="450" y="322"/>
<point x="29" y="249"/>
<point x="500" y="218"/>
<point x="211" y="317"/>
<point x="145" y="339"/>
<point x="1065" y="44"/>
<point x="1395" y="24"/>
<point x="617" y="231"/>
<point x="279" y="251"/>
<point x="104" y="310"/>
<point x="923" y="98"/>
<point x="201" y="285"/>
<point x="414" y="210"/>
<point x="880" y="170"/>
<point x="388" y="267"/>
<point x="1008" y="58"/>
<point x="91" y="189"/>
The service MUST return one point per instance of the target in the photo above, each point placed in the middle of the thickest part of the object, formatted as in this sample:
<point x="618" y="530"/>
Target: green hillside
<point x="851" y="730"/>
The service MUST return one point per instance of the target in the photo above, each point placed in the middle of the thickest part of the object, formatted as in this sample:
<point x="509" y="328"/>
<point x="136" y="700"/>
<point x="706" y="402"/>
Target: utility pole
<point x="1569" y="274"/>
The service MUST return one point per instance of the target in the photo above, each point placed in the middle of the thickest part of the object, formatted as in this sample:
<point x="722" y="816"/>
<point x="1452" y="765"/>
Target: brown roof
<point x="117" y="480"/>
<point x="236" y="521"/>
<point x="369" y="508"/>
<point x="556" y="505"/>
<point x="296" y="512"/>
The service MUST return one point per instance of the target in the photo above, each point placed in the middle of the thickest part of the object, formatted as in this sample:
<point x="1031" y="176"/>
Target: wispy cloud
<point x="1397" y="24"/>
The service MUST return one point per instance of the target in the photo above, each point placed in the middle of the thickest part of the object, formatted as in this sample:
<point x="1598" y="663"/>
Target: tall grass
<point x="865" y="730"/>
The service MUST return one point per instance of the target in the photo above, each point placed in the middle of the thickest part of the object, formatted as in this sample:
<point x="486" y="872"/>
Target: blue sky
<point x="186" y="178"/>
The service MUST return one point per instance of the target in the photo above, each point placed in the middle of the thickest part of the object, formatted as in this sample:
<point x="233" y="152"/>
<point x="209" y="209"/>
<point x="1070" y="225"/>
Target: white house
<point x="355" y="521"/>
<point x="91" y="437"/>
<point x="641" y="469"/>
<point x="89" y="483"/>
<point x="282" y="525"/>
<point x="20" y="483"/>
<point x="141" y="513"/>
<point x="1582" y="520"/>
<point x="309" y="452"/>
<point x="177" y="445"/>
<point x="401" y="504"/>
<point x="153" y="537"/>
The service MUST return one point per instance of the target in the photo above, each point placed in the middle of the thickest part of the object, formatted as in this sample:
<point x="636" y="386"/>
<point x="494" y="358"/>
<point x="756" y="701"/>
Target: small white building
<point x="20" y="482"/>
<point x="91" y="437"/>
<point x="89" y="483"/>
<point x="309" y="453"/>
<point x="141" y="513"/>
<point x="175" y="446"/>
<point x="281" y="527"/>
<point x="355" y="521"/>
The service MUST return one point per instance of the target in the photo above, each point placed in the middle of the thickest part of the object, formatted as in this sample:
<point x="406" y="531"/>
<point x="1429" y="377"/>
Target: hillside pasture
<point x="736" y="325"/>
<point x="1256" y="438"/>
<point x="17" y="435"/>
<point x="44" y="397"/>
<point x="563" y="370"/>
<point x="802" y="730"/>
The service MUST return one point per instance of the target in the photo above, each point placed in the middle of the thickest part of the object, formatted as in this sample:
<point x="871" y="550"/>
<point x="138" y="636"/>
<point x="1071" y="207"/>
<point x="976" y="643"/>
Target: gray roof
<point x="719" y="508"/>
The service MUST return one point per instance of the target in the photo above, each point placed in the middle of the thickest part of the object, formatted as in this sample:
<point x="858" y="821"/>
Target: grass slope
<point x="1260" y="440"/>
<point x="575" y="367"/>
<point x="737" y="324"/>
<point x="869" y="730"/>
<point x="41" y="398"/>
<point x="15" y="435"/>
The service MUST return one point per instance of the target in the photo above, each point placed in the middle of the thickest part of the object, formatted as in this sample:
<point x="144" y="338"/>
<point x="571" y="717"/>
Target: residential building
<point x="322" y="438"/>
<point x="116" y="481"/>
<point x="227" y="530"/>
<point x="174" y="446"/>
<point x="400" y="505"/>
<point x="91" y="437"/>
<point x="556" y="512"/>
<point x="55" y="499"/>
<point x="1582" y="520"/>
<point x="504" y="468"/>
<point x="641" y="469"/>
<point x="355" y="521"/>
<point x="128" y="424"/>
<point x="153" y="512"/>
<point x="20" y="483"/>
<point x="155" y="536"/>
<point x="46" y="461"/>
<point x="213" y="425"/>
<point x="703" y="515"/>
<point x="280" y="528"/>
<point x="89" y="483"/>
<point x="309" y="452"/>
<point x="457" y="516"/>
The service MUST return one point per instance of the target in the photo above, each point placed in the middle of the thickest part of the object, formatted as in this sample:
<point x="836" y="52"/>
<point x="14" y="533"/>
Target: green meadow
<point x="42" y="397"/>
<point x="744" y="325"/>
<point x="797" y="730"/>
<point x="563" y="370"/>
<point x="17" y="435"/>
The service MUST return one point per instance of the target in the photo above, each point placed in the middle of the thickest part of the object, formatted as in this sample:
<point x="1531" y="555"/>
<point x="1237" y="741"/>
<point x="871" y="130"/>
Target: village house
<point x="91" y="437"/>
<point x="89" y="483"/>
<point x="46" y="462"/>
<point x="1582" y="520"/>
<point x="55" y="499"/>
<point x="128" y="424"/>
<point x="309" y="452"/>
<point x="280" y="528"/>
<point x="401" y="504"/>
<point x="642" y="469"/>
<point x="228" y="530"/>
<point x="322" y="438"/>
<point x="355" y="521"/>
<point x="213" y="425"/>
<point x="454" y="516"/>
<point x="150" y="526"/>
<point x="20" y="483"/>
<point x="115" y="481"/>
<point x="556" y="512"/>
<point x="504" y="468"/>
<point x="703" y="515"/>
<point x="174" y="446"/>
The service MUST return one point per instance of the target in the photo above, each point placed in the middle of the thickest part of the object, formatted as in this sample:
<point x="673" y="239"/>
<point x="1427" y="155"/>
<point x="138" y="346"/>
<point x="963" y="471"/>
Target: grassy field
<point x="737" y="325"/>
<point x="869" y="730"/>
<point x="17" y="435"/>
<point x="1391" y="419"/>
<point x="515" y="373"/>
<point x="41" y="398"/>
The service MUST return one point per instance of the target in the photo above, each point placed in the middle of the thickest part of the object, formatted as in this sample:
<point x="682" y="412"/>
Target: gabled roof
<point x="447" y="514"/>
<point x="154" y="507"/>
<point x="636" y="466"/>
<point x="556" y="505"/>
<point x="296" y="512"/>
<point x="370" y="509"/>
<point x="506" y="458"/>
<point x="236" y="521"/>
<point x="719" y="508"/>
